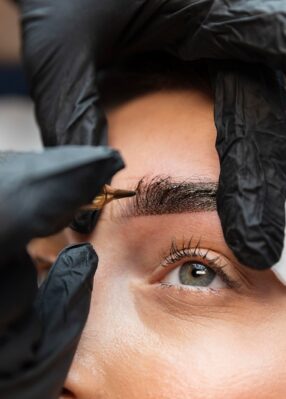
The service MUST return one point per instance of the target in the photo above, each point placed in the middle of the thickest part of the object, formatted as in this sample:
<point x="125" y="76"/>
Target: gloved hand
<point x="250" y="115"/>
<point x="40" y="329"/>
<point x="67" y="42"/>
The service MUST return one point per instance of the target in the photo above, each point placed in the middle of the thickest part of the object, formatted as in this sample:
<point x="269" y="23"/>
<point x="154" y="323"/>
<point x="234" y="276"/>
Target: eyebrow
<point x="163" y="195"/>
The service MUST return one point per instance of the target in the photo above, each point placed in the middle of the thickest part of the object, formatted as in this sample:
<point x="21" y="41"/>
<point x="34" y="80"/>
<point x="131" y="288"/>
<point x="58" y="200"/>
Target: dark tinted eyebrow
<point x="162" y="195"/>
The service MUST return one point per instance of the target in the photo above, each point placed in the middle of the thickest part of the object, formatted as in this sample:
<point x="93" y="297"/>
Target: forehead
<point x="167" y="132"/>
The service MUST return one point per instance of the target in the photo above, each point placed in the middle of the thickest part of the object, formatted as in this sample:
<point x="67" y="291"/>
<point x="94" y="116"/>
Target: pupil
<point x="196" y="274"/>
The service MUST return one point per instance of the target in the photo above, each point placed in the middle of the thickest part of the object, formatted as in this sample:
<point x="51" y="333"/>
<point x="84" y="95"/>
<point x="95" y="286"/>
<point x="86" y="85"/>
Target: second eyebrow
<point x="160" y="196"/>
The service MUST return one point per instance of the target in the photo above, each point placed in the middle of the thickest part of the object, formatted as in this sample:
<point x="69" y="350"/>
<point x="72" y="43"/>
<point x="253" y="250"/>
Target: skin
<point x="148" y="340"/>
<point x="9" y="33"/>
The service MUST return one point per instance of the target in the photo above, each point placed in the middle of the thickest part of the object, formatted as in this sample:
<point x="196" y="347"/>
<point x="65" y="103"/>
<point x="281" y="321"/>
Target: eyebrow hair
<point x="162" y="195"/>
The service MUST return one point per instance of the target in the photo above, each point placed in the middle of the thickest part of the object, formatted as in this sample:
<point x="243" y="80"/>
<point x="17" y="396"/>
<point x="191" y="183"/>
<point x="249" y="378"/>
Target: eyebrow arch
<point x="162" y="195"/>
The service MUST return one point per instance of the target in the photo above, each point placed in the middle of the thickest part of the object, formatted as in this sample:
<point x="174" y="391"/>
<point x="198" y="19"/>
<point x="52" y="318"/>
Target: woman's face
<point x="173" y="313"/>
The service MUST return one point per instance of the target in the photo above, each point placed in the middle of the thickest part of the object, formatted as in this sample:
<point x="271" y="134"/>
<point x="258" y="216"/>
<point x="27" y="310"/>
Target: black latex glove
<point x="250" y="115"/>
<point x="66" y="42"/>
<point x="40" y="329"/>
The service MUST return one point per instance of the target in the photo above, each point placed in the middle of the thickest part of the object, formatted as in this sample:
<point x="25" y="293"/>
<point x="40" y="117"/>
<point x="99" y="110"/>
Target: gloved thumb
<point x="63" y="299"/>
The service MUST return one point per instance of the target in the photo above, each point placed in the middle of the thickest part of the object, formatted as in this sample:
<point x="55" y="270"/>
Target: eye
<point x="196" y="275"/>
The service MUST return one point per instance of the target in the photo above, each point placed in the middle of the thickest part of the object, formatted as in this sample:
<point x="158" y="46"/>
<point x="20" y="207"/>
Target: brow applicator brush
<point x="107" y="195"/>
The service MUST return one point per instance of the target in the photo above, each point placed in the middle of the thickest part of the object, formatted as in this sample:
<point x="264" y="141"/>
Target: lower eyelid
<point x="183" y="287"/>
<point x="188" y="293"/>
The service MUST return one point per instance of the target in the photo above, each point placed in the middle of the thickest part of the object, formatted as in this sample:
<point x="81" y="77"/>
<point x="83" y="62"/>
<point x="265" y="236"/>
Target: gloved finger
<point x="57" y="51"/>
<point x="246" y="30"/>
<point x="40" y="192"/>
<point x="251" y="123"/>
<point x="62" y="308"/>
<point x="63" y="299"/>
<point x="65" y="43"/>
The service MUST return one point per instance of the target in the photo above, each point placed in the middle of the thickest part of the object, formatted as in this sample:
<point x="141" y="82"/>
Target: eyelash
<point x="188" y="250"/>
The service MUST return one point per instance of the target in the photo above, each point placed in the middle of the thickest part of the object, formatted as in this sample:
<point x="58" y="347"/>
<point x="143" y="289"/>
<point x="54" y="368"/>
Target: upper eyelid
<point x="189" y="247"/>
<point x="184" y="254"/>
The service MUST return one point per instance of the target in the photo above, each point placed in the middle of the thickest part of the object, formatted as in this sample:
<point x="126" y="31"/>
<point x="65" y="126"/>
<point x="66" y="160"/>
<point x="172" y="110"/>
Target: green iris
<point x="196" y="274"/>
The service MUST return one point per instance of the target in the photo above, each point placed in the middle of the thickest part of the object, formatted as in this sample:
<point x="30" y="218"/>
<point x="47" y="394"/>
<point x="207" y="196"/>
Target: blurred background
<point x="18" y="129"/>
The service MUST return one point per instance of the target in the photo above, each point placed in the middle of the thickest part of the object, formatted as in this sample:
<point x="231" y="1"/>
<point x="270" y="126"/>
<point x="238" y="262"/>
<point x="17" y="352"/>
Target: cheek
<point x="159" y="356"/>
<point x="137" y="349"/>
<point x="216" y="354"/>
<point x="134" y="361"/>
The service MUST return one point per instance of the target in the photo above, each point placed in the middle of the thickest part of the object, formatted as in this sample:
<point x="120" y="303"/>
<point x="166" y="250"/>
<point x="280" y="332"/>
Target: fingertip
<point x="73" y="271"/>
<point x="255" y="242"/>
<point x="80" y="256"/>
